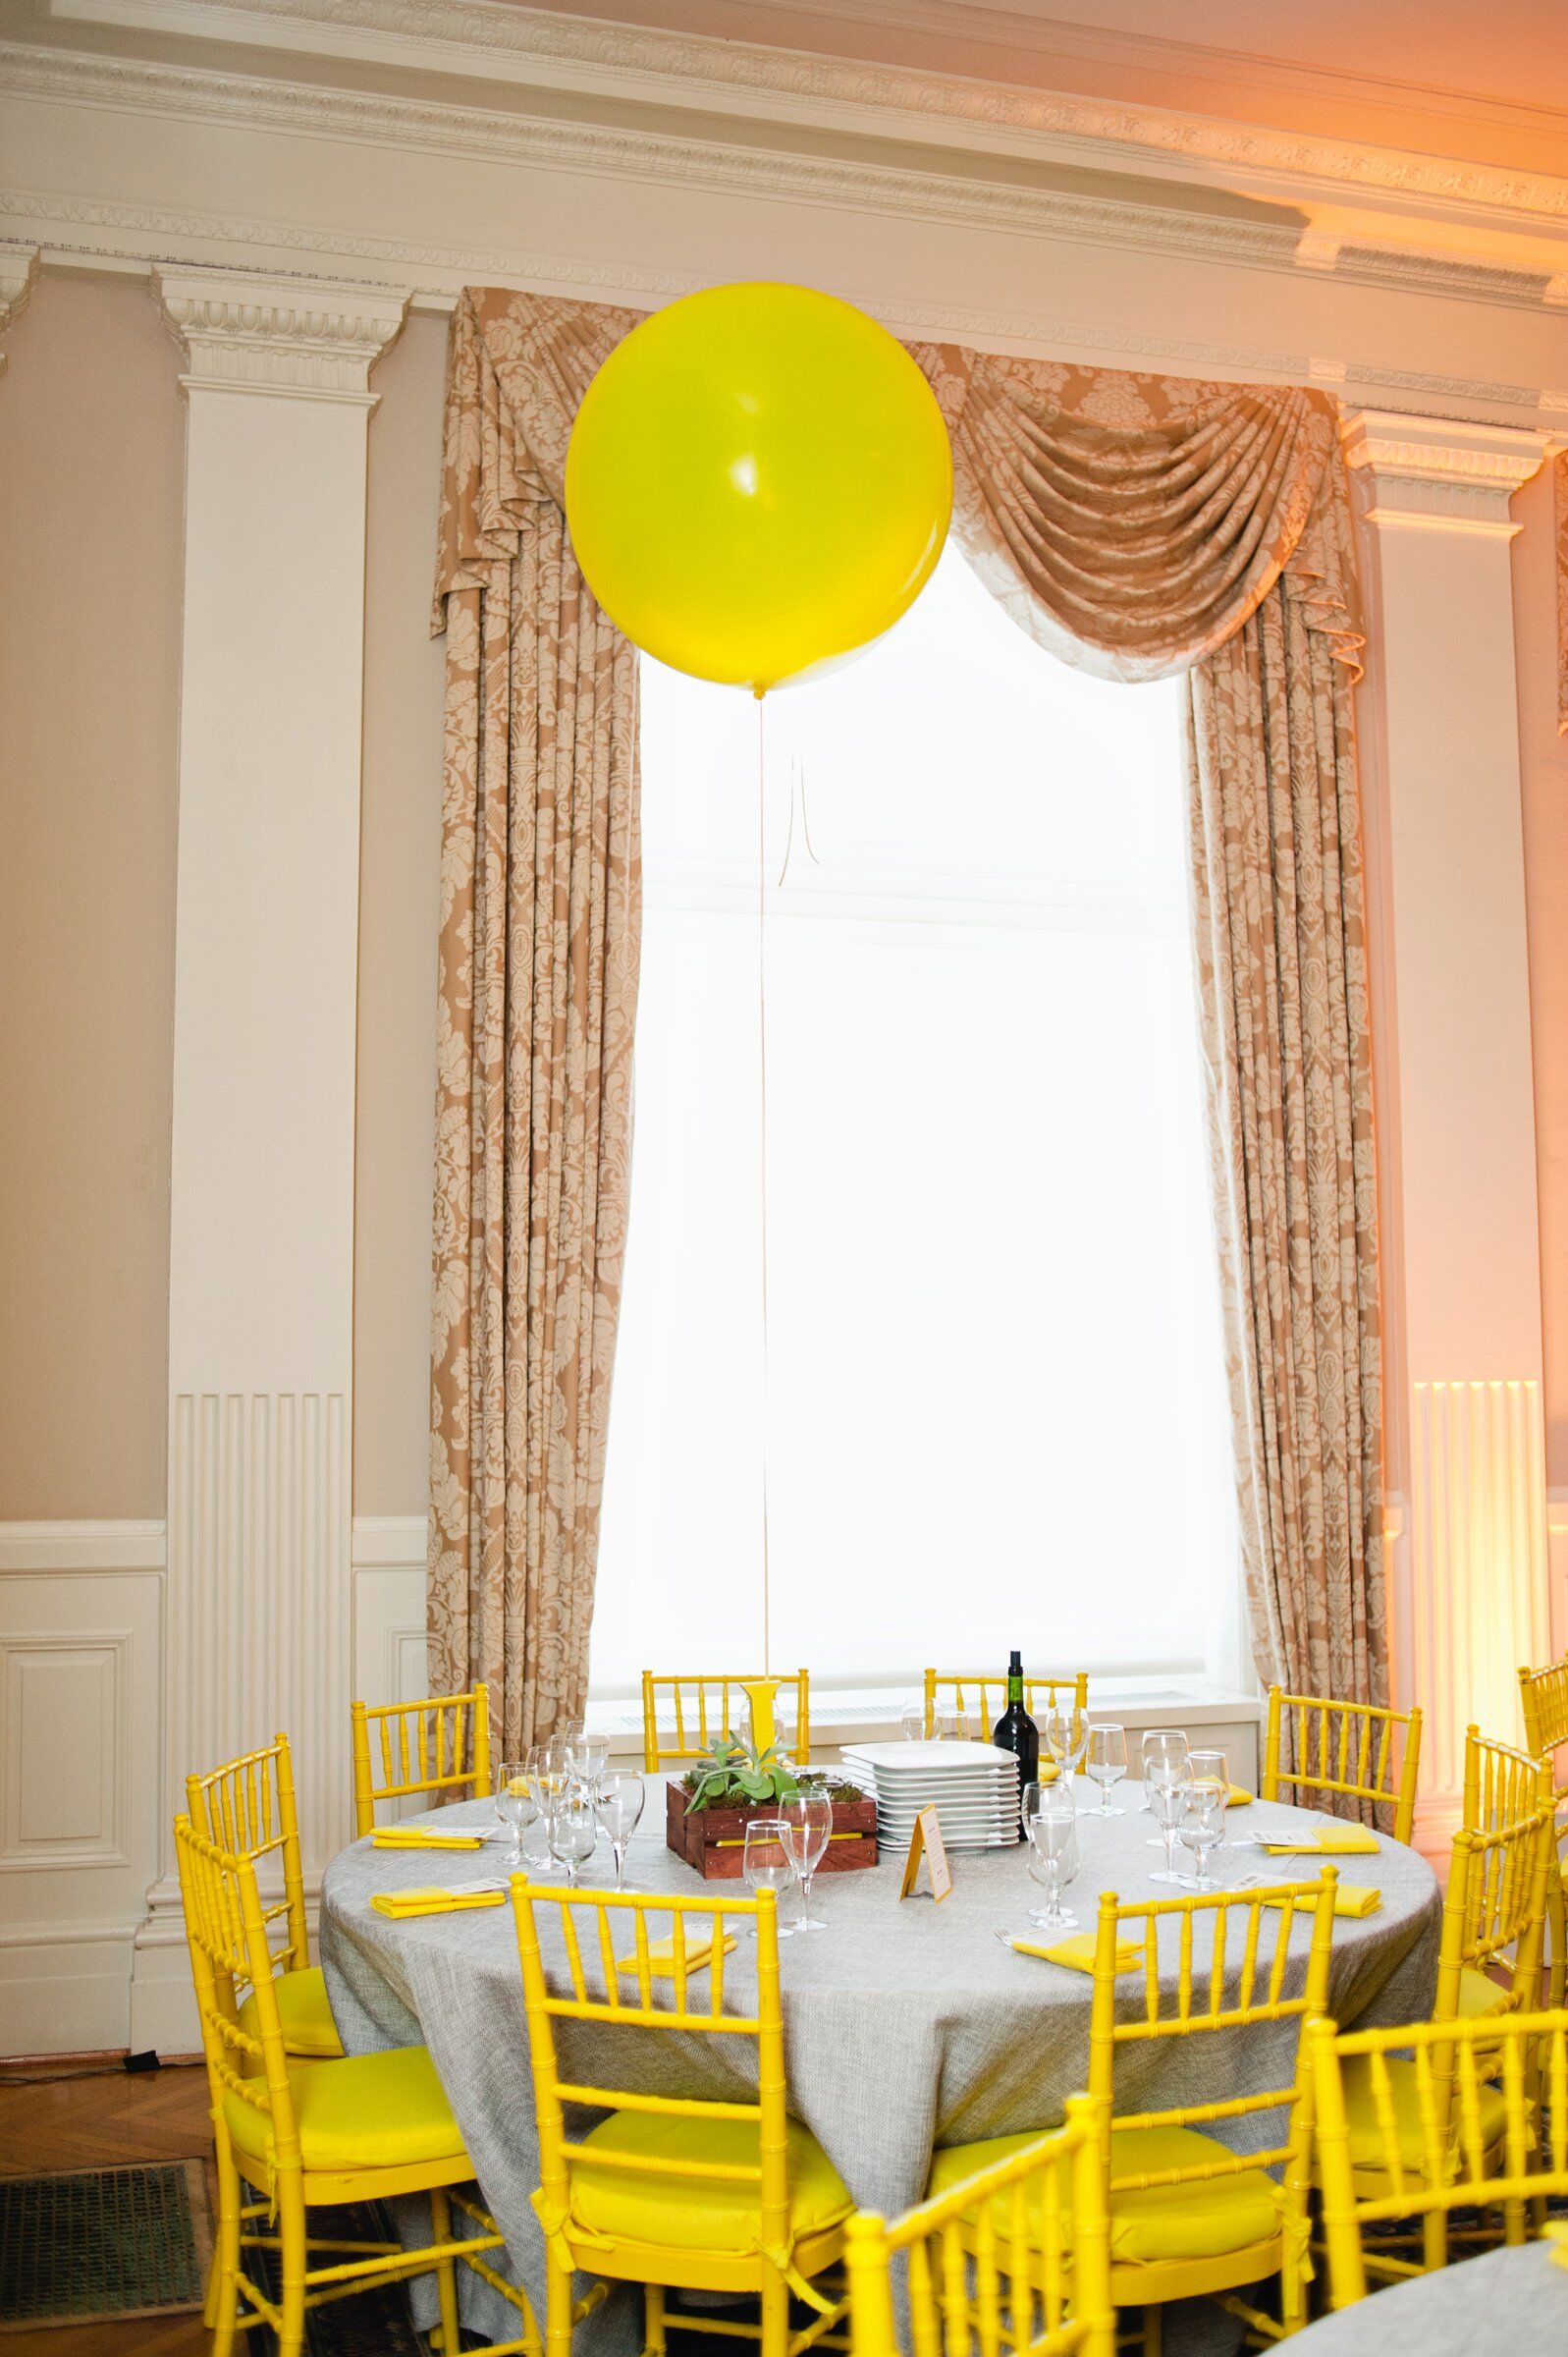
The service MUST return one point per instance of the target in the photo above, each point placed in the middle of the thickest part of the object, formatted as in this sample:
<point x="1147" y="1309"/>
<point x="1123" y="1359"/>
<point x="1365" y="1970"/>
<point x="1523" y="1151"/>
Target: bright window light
<point x="995" y="1408"/>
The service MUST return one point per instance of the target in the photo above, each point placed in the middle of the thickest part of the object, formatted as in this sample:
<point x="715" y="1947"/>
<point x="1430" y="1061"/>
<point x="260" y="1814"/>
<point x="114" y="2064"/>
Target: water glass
<point x="589" y="1756"/>
<point x="1105" y="1760"/>
<point x="912" y="1722"/>
<point x="573" y="1831"/>
<point x="949" y="1723"/>
<point x="1201" y="1801"/>
<point x="618" y="1805"/>
<point x="1052" y="1831"/>
<point x="765" y="1861"/>
<point x="1066" y="1732"/>
<point x="1164" y="1761"/>
<point x="517" y="1805"/>
<point x="807" y="1820"/>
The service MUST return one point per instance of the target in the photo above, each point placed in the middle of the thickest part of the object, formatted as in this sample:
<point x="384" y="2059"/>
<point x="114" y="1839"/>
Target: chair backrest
<point x="1494" y="1912"/>
<point x="1015" y="2258"/>
<point x="700" y="1709"/>
<point x="441" y="1744"/>
<point x="1502" y="1785"/>
<point x="248" y="1808"/>
<point x="603" y="1946"/>
<point x="1543" y="1694"/>
<point x="1463" y="2161"/>
<point x="984" y="1696"/>
<point x="229" y="1958"/>
<point x="1240" y="1981"/>
<point x="1346" y="1749"/>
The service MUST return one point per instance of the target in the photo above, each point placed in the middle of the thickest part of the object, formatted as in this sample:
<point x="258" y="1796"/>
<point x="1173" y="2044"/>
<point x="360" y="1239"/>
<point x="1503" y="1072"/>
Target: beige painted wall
<point x="92" y="447"/>
<point x="1545" y="766"/>
<point x="399" y="911"/>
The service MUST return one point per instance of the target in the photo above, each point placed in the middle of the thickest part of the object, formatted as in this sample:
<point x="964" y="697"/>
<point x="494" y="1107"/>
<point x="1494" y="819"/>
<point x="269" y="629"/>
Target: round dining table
<point x="907" y="2022"/>
<point x="1513" y="2301"/>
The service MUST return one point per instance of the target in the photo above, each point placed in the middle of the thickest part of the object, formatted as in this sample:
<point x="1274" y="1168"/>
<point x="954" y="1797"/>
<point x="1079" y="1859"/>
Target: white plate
<point x="921" y="1758"/>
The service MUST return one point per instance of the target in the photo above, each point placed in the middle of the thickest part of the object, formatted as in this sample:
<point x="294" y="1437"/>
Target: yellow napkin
<point x="662" y="1956"/>
<point x="1350" y="1898"/>
<point x="1557" y="2236"/>
<point x="393" y="1836"/>
<point x="1078" y="1953"/>
<point x="1240" y="1797"/>
<point x="1345" y="1841"/>
<point x="433" y="1901"/>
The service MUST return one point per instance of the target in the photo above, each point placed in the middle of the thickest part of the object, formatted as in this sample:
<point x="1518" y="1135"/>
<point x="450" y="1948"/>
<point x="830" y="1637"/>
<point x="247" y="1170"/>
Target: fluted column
<point x="261" y="1222"/>
<point x="1462" y="1262"/>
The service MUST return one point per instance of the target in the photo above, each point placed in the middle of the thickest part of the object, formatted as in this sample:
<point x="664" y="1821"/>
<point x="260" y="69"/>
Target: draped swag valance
<point x="1135" y="526"/>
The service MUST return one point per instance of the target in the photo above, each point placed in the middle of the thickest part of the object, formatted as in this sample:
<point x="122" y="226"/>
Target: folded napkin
<point x="662" y="1956"/>
<point x="1078" y="1953"/>
<point x="1345" y="1841"/>
<point x="422" y="1836"/>
<point x="433" y="1901"/>
<point x="1350" y="1898"/>
<point x="1240" y="1797"/>
<point x="1557" y="2236"/>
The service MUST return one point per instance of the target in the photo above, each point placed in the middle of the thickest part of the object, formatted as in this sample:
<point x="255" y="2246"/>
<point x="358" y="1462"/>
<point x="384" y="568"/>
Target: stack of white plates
<point x="973" y="1787"/>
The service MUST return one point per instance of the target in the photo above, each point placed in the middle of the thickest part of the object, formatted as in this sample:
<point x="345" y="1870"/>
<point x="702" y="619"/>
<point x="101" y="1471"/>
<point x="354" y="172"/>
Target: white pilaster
<point x="261" y="1243"/>
<point x="1471" y="1583"/>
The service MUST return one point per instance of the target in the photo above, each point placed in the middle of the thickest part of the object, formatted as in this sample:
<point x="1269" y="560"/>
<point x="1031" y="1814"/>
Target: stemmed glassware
<point x="1105" y="1760"/>
<point x="807" y="1820"/>
<point x="912" y="1722"/>
<point x="1202" y="1801"/>
<point x="765" y="1862"/>
<point x="573" y="1830"/>
<point x="1066" y="1732"/>
<point x="517" y="1805"/>
<point x="588" y="1756"/>
<point x="1164" y="1772"/>
<point x="1165" y="1753"/>
<point x="618" y="1805"/>
<point x="1051" y="1829"/>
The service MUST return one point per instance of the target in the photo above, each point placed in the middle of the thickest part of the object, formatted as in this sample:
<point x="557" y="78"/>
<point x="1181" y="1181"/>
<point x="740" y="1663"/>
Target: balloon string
<point x="762" y="1073"/>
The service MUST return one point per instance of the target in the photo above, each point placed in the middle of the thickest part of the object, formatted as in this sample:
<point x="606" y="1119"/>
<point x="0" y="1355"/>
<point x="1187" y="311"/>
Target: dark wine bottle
<point x="1016" y="1732"/>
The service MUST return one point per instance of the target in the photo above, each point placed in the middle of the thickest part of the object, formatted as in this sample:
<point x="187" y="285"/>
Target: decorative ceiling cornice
<point x="651" y="67"/>
<point x="241" y="333"/>
<point x="310" y="110"/>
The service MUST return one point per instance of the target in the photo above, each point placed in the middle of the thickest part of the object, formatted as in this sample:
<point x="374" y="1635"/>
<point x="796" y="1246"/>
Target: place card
<point x="926" y="1844"/>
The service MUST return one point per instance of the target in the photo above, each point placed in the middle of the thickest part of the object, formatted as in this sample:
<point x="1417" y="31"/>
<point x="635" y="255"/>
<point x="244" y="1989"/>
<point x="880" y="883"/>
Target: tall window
<point x="994" y="1408"/>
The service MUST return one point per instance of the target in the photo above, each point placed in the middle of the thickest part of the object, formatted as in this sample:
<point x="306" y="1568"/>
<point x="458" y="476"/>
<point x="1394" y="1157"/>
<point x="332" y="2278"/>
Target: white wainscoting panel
<point x="389" y="1608"/>
<point x="81" y="1606"/>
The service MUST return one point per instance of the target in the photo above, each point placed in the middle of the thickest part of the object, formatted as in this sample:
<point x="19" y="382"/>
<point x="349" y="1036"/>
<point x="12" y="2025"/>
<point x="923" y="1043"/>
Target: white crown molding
<point x="19" y="267"/>
<point x="1435" y="474"/>
<point x="305" y="110"/>
<point x="314" y="338"/>
<point x="493" y="39"/>
<point x="83" y="233"/>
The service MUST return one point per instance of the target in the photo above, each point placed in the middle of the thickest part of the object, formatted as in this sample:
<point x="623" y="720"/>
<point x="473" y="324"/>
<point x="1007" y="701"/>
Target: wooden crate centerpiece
<point x="707" y="1812"/>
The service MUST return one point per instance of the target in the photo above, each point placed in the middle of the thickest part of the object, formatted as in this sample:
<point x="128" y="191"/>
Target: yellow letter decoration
<point x="759" y="481"/>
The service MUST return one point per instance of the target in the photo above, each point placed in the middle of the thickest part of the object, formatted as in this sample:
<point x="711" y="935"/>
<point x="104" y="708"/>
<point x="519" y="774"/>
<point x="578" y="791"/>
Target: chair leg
<point x="775" y="2314"/>
<point x="558" y="2309"/>
<point x="1556" y="1926"/>
<point x="294" y="2257"/>
<point x="652" y="2308"/>
<point x="448" y="2337"/>
<point x="221" y="2310"/>
<point x="1154" y="2330"/>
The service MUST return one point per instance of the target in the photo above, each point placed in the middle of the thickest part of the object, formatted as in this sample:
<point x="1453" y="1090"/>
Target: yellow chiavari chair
<point x="983" y="1698"/>
<point x="439" y="1745"/>
<point x="1344" y="1749"/>
<point x="674" y="2193"/>
<point x="1188" y="2216"/>
<point x="1543" y="1694"/>
<point x="700" y="1709"/>
<point x="1499" y="1883"/>
<point x="366" y="2128"/>
<point x="1477" y="2141"/>
<point x="1014" y="2258"/>
<point x="248" y="1808"/>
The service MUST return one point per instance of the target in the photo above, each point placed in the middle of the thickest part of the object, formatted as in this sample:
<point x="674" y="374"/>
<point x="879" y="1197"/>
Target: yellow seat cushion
<point x="367" y="2112"/>
<point x="698" y="2212"/>
<point x="1204" y="2219"/>
<point x="1478" y="1994"/>
<point x="1367" y="2149"/>
<point x="308" y="2028"/>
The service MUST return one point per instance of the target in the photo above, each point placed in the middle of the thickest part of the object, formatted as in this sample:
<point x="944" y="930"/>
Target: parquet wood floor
<point x="97" y="2123"/>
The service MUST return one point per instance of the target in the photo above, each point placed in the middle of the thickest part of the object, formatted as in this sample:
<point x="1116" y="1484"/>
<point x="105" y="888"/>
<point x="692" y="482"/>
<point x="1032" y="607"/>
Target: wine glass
<point x="517" y="1805"/>
<point x="618" y="1805"/>
<point x="1051" y="1831"/>
<point x="1105" y="1760"/>
<point x="1066" y="1730"/>
<point x="765" y="1862"/>
<point x="590" y="1757"/>
<point x="551" y="1763"/>
<point x="912" y="1722"/>
<point x="573" y="1831"/>
<point x="951" y="1725"/>
<point x="1202" y="1803"/>
<point x="807" y="1820"/>
<point x="1164" y="1757"/>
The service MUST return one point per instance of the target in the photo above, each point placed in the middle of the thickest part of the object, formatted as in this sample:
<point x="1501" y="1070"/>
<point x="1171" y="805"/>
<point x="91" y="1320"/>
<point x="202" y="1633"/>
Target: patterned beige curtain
<point x="1144" y="526"/>
<point x="538" y="982"/>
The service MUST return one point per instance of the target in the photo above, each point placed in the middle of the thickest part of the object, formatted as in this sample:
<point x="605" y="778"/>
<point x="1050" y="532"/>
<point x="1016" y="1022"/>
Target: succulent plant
<point x="731" y="1774"/>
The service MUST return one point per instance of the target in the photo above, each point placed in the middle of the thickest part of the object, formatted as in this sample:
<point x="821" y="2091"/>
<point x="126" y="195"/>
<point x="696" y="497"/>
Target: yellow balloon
<point x="758" y="482"/>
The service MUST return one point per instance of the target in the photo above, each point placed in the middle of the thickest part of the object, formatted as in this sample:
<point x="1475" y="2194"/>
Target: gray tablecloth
<point x="907" y="2025"/>
<point x="1513" y="2302"/>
